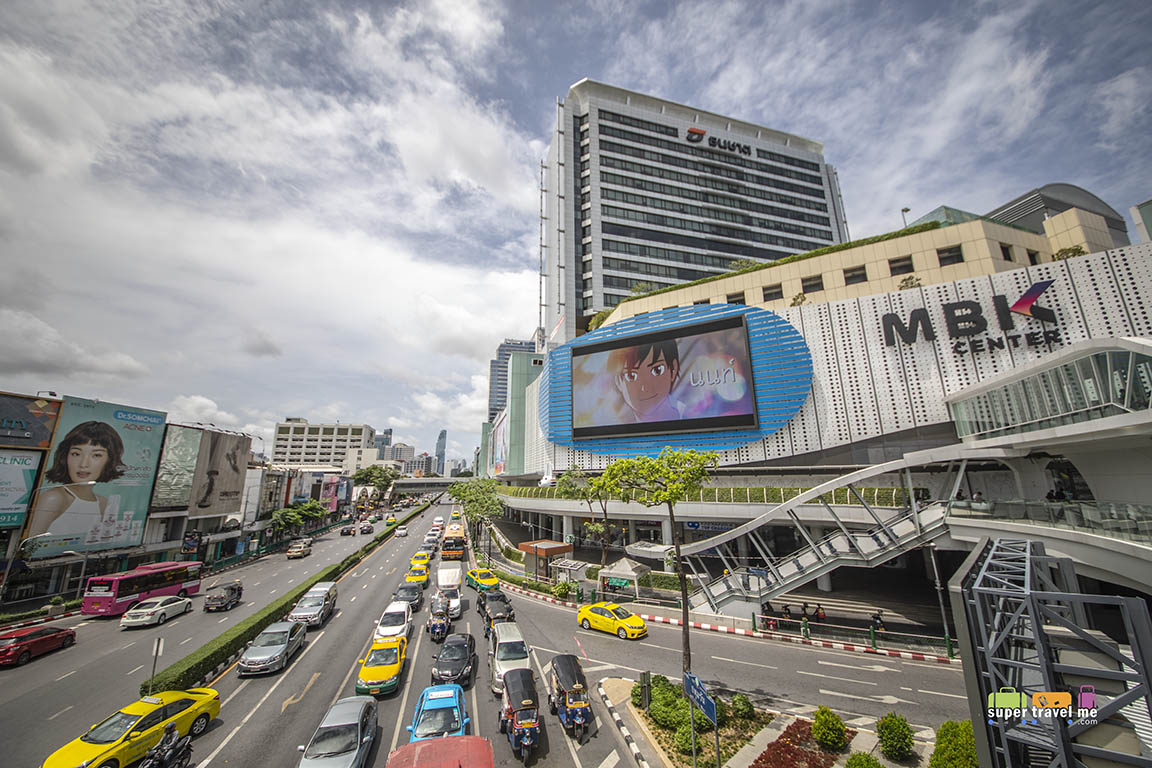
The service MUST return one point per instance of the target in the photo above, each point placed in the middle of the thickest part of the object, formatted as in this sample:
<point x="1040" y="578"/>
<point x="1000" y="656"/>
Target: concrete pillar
<point x="567" y="521"/>
<point x="631" y="531"/>
<point x="742" y="549"/>
<point x="824" y="583"/>
<point x="666" y="532"/>
<point x="556" y="527"/>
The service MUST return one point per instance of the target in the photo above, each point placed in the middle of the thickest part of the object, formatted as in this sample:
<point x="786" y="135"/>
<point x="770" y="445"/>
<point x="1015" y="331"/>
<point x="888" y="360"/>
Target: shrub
<point x="955" y="746"/>
<point x="561" y="589"/>
<point x="683" y="739"/>
<point x="591" y="572"/>
<point x="56" y="600"/>
<point x="828" y="730"/>
<point x="895" y="736"/>
<point x="637" y="695"/>
<point x="742" y="707"/>
<point x="723" y="712"/>
<point x="862" y="760"/>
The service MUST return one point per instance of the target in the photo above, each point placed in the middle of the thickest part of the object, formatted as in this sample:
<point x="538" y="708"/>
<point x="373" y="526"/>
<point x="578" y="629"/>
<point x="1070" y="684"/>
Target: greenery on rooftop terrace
<point x="925" y="227"/>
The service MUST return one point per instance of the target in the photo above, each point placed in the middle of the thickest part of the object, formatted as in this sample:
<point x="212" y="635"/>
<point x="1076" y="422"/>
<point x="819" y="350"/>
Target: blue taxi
<point x="439" y="712"/>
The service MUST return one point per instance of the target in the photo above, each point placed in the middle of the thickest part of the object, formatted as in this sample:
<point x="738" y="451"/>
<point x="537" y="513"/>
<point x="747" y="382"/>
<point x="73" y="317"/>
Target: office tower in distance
<point x="643" y="193"/>
<point x="382" y="441"/>
<point x="401" y="452"/>
<point x="498" y="374"/>
<point x="298" y="442"/>
<point x="441" y="443"/>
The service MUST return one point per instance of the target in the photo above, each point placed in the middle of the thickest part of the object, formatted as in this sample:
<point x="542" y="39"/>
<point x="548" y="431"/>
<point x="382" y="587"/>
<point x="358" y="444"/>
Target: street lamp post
<point x="83" y="570"/>
<point x="905" y="218"/>
<point x="939" y="589"/>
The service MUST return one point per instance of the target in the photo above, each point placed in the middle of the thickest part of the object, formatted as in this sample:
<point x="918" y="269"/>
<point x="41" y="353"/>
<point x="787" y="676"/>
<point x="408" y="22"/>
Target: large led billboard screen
<point x="687" y="379"/>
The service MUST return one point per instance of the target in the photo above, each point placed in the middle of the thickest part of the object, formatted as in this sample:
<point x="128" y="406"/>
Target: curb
<point x="760" y="635"/>
<point x="42" y="620"/>
<point x="640" y="761"/>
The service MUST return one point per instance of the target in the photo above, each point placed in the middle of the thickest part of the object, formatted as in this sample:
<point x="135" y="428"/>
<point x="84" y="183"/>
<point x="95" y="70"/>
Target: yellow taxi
<point x="390" y="520"/>
<point x="421" y="559"/>
<point x="124" y="737"/>
<point x="481" y="579"/>
<point x="610" y="617"/>
<point x="380" y="669"/>
<point x="417" y="574"/>
<point x="455" y="515"/>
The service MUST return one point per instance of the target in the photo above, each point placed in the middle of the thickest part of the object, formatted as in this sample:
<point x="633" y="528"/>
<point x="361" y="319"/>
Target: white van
<point x="448" y="579"/>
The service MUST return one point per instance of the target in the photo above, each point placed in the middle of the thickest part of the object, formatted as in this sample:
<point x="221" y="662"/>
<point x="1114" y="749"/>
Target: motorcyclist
<point x="168" y="742"/>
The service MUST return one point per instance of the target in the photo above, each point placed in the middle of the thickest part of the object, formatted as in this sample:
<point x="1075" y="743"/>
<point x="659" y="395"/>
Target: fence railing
<point x="1119" y="520"/>
<point x="873" y="496"/>
<point x="870" y="636"/>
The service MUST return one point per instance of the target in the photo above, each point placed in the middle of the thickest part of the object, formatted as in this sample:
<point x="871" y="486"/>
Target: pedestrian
<point x="978" y="497"/>
<point x="785" y="611"/>
<point x="1060" y="495"/>
<point x="960" y="495"/>
<point x="804" y="611"/>
<point x="1051" y="495"/>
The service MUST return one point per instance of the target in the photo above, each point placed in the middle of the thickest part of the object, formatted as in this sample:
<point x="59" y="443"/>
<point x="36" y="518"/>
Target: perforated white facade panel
<point x="864" y="388"/>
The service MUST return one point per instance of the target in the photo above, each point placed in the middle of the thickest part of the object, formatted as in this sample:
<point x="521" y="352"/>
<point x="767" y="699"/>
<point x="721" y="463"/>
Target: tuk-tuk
<point x="439" y="622"/>
<point x="568" y="694"/>
<point x="222" y="597"/>
<point x="498" y="615"/>
<point x="519" y="715"/>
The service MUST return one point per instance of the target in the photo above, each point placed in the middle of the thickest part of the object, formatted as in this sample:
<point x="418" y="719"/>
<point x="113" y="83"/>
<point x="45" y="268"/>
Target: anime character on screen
<point x="645" y="376"/>
<point x="91" y="453"/>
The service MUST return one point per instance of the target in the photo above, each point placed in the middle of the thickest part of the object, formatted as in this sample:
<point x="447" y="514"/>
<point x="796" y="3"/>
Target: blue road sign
<point x="762" y="573"/>
<point x="694" y="690"/>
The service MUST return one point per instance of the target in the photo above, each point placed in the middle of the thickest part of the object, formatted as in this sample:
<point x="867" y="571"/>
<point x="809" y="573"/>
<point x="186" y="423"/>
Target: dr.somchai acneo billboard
<point x="687" y="379"/>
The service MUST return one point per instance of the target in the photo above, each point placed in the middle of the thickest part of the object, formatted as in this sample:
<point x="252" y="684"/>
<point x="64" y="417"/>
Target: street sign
<point x="614" y="582"/>
<point x="158" y="646"/>
<point x="694" y="690"/>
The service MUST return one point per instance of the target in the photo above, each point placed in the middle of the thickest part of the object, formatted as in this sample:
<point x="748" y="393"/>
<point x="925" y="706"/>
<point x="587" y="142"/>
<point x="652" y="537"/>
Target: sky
<point x="238" y="212"/>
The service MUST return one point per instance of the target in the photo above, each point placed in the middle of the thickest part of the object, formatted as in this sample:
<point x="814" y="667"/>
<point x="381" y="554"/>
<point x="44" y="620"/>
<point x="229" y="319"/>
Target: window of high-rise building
<point x="773" y="292"/>
<point x="854" y="275"/>
<point x="953" y="254"/>
<point x="812" y="284"/>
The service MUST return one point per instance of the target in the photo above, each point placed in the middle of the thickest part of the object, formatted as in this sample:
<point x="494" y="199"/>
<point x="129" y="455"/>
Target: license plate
<point x="374" y="690"/>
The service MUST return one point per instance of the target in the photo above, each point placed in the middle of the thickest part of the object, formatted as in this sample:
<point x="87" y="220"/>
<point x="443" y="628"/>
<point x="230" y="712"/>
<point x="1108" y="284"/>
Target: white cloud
<point x="1125" y="100"/>
<point x="31" y="347"/>
<point x="198" y="408"/>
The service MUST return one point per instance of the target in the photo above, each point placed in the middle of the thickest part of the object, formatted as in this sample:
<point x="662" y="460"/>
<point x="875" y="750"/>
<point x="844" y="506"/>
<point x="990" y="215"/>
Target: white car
<point x="396" y="621"/>
<point x="154" y="610"/>
<point x="437" y="520"/>
<point x="401" y="531"/>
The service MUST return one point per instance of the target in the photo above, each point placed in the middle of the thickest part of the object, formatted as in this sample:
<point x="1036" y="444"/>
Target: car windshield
<point x="310" y="602"/>
<point x="484" y="575"/>
<point x="577" y="699"/>
<point x="391" y="619"/>
<point x="511" y="651"/>
<point x="522" y="716"/>
<point x="454" y="652"/>
<point x="145" y="605"/>
<point x="270" y="639"/>
<point x="382" y="657"/>
<point x="620" y="613"/>
<point x="8" y="641"/>
<point x="333" y="740"/>
<point x="451" y="594"/>
<point x="408" y="591"/>
<point x="437" y="722"/>
<point x="111" y="729"/>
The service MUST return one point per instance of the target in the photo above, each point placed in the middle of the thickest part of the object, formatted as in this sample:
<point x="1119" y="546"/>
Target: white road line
<point x="66" y="674"/>
<point x="222" y="620"/>
<point x="184" y="641"/>
<point x="353" y="599"/>
<point x="567" y="741"/>
<point x="611" y="760"/>
<point x="404" y="698"/>
<point x="264" y="698"/>
<point x="134" y="671"/>
<point x="126" y="647"/>
<point x="749" y="663"/>
<point x="272" y="592"/>
<point x="938" y="693"/>
<point x="374" y="575"/>
<point x="344" y="682"/>
<point x="232" y="695"/>
<point x="905" y="688"/>
<point x="257" y="583"/>
<point x="251" y="603"/>
<point x="832" y="677"/>
<point x="363" y="586"/>
<point x="53" y="717"/>
<point x="82" y="624"/>
<point x="862" y="667"/>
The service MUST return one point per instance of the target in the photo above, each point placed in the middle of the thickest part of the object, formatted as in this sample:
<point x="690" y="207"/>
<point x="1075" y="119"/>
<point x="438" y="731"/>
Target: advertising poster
<point x="499" y="445"/>
<point x="27" y="422"/>
<point x="328" y="492"/>
<point x="173" y="488"/>
<point x="97" y="479"/>
<point x="220" y="471"/>
<point x="687" y="379"/>
<point x="17" y="480"/>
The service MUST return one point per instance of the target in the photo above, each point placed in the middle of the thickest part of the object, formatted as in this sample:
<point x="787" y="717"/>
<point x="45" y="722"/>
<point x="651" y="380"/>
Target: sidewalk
<point x="618" y="691"/>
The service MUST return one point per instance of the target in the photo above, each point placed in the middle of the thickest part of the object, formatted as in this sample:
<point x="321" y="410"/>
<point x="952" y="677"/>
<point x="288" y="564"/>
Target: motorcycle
<point x="178" y="756"/>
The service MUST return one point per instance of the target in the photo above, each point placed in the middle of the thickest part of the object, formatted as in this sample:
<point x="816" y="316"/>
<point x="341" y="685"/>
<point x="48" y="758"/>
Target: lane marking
<point x="134" y="671"/>
<point x="939" y="693"/>
<point x="232" y="695"/>
<point x="599" y="667"/>
<point x="363" y="586"/>
<point x="53" y="717"/>
<point x="222" y="620"/>
<point x="295" y="698"/>
<point x="475" y="710"/>
<point x="353" y="599"/>
<point x="833" y="677"/>
<point x="611" y="760"/>
<point x="251" y="603"/>
<point x="273" y="592"/>
<point x="861" y="667"/>
<point x="247" y="717"/>
<point x="257" y="583"/>
<point x="886" y="699"/>
<point x="749" y="663"/>
<point x="126" y="647"/>
<point x="66" y="674"/>
<point x="184" y="641"/>
<point x="344" y="682"/>
<point x="567" y="741"/>
<point x="404" y="699"/>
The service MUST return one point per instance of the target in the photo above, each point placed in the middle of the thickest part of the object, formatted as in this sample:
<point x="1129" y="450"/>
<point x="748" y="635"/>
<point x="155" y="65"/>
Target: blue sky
<point x="241" y="211"/>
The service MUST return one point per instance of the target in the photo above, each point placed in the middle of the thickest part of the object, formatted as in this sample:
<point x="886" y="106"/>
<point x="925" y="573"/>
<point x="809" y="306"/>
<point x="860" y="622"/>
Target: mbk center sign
<point x="968" y="324"/>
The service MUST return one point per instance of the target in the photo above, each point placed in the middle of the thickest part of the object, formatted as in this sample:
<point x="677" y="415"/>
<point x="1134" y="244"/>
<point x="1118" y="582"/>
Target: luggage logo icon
<point x="1052" y="699"/>
<point x="1008" y="698"/>
<point x="1087" y="697"/>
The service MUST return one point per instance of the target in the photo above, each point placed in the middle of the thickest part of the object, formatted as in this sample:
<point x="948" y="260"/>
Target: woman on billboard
<point x="91" y="453"/>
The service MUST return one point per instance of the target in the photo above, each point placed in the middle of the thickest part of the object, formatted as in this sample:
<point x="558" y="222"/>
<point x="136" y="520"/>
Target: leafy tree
<point x="665" y="481"/>
<point x="1069" y="253"/>
<point x="955" y="746"/>
<point x="310" y="509"/>
<point x="479" y="498"/>
<point x="798" y="299"/>
<point x="286" y="518"/>
<point x="379" y="477"/>
<point x="599" y="490"/>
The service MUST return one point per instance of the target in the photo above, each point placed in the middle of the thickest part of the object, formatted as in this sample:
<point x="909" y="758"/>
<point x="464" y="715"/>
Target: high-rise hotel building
<point x="642" y="190"/>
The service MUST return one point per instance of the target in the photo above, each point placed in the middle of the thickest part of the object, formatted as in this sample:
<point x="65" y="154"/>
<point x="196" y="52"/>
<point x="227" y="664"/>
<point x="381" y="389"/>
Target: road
<point x="263" y="719"/>
<point x="56" y="697"/>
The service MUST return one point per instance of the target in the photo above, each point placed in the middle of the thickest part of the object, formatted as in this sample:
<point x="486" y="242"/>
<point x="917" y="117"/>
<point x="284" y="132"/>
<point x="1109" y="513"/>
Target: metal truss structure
<point x="1025" y="625"/>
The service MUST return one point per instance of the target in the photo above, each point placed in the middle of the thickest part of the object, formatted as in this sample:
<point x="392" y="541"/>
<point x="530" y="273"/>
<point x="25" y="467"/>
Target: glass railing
<point x="1117" y="519"/>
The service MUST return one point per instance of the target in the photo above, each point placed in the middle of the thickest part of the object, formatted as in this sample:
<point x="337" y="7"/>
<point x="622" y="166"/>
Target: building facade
<point x="1031" y="209"/>
<point x="498" y="374"/>
<point x="298" y="442"/>
<point x="441" y="445"/>
<point x="401" y="452"/>
<point x="382" y="440"/>
<point x="640" y="191"/>
<point x="1142" y="216"/>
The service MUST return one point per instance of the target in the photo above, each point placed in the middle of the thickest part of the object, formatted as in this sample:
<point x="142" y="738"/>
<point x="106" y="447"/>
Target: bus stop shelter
<point x="623" y="573"/>
<point x="539" y="554"/>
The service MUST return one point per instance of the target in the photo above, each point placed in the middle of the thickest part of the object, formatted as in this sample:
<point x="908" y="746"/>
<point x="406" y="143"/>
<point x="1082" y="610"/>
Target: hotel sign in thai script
<point x="965" y="321"/>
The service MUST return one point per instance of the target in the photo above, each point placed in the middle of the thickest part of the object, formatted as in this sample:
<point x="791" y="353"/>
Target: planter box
<point x="56" y="610"/>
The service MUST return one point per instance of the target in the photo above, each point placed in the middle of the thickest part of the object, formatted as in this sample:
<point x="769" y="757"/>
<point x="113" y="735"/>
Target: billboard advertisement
<point x="329" y="492"/>
<point x="17" y="480"/>
<point x="221" y="468"/>
<point x="686" y="379"/>
<point x="27" y="422"/>
<point x="498" y="445"/>
<point x="173" y="489"/>
<point x="97" y="480"/>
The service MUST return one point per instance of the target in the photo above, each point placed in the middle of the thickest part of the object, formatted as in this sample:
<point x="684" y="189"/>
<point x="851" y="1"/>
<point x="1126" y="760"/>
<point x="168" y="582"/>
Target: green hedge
<point x="661" y="581"/>
<point x="881" y="497"/>
<point x="955" y="746"/>
<point x="862" y="760"/>
<point x="194" y="667"/>
<point x="521" y="581"/>
<point x="895" y="737"/>
<point x="828" y="730"/>
<point x="35" y="613"/>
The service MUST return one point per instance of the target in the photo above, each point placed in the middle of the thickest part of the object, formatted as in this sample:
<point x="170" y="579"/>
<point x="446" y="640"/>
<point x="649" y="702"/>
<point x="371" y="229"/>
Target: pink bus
<point x="115" y="593"/>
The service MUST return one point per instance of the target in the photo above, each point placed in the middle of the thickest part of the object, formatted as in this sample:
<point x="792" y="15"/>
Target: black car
<point x="348" y="530"/>
<point x="411" y="594"/>
<point x="456" y="661"/>
<point x="494" y="601"/>
<point x="366" y="528"/>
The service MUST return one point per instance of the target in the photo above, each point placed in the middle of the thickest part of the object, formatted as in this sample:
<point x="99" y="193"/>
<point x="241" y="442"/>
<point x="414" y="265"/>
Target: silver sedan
<point x="154" y="610"/>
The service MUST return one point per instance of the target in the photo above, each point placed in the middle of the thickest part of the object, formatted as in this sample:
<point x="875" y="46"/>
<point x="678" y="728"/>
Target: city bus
<point x="115" y="593"/>
<point x="452" y="547"/>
